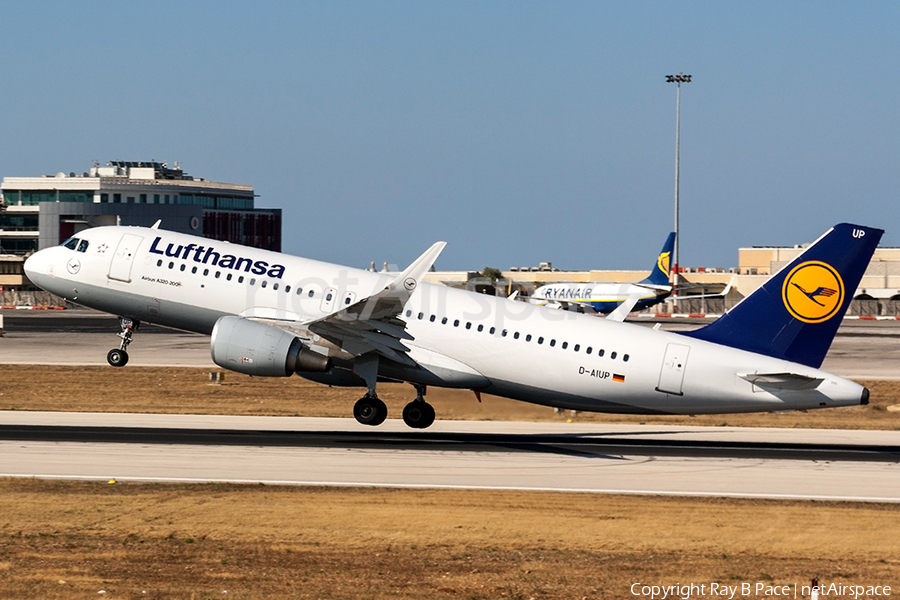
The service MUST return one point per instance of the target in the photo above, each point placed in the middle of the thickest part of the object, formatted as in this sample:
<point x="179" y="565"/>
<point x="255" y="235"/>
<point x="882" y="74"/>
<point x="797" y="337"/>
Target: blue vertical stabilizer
<point x="796" y="313"/>
<point x="660" y="273"/>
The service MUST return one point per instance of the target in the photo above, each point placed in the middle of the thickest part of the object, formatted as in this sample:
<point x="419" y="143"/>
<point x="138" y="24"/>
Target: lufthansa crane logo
<point x="409" y="283"/>
<point x="663" y="262"/>
<point x="813" y="292"/>
<point x="73" y="266"/>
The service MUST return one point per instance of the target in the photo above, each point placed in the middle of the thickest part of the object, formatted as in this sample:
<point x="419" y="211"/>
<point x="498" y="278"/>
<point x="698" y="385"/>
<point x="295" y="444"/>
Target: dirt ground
<point x="189" y="391"/>
<point x="62" y="540"/>
<point x="75" y="539"/>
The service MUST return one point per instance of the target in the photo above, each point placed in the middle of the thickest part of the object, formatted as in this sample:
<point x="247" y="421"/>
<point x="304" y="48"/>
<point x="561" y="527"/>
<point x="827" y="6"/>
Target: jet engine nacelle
<point x="257" y="349"/>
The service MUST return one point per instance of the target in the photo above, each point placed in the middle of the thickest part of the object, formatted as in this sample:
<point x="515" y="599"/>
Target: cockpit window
<point x="83" y="246"/>
<point x="71" y="243"/>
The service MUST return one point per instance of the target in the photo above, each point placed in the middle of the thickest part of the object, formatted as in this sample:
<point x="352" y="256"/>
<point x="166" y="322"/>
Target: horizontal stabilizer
<point x="783" y="381"/>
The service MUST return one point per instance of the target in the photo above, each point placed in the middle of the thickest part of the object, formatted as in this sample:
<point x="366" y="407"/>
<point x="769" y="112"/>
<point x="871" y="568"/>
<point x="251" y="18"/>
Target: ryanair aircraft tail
<point x="796" y="313"/>
<point x="660" y="273"/>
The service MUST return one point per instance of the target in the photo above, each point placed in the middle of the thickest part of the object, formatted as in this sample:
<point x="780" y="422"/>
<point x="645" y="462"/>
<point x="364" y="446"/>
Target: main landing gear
<point x="418" y="414"/>
<point x="118" y="357"/>
<point x="370" y="410"/>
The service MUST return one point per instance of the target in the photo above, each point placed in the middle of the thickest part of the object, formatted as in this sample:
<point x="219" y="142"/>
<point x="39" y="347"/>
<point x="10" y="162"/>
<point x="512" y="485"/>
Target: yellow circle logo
<point x="663" y="262"/>
<point x="813" y="292"/>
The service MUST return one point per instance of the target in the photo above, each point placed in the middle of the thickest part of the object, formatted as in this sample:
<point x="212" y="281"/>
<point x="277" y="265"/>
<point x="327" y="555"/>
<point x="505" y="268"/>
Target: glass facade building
<point x="37" y="212"/>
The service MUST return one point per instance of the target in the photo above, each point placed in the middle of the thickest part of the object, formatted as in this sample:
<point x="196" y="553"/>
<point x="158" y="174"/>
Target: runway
<point x="625" y="459"/>
<point x="568" y="457"/>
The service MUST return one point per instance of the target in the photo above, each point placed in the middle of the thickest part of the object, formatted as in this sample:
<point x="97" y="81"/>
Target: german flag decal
<point x="619" y="378"/>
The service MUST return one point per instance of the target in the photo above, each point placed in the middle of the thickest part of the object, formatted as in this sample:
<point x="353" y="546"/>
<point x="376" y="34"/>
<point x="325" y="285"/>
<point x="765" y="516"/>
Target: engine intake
<point x="256" y="349"/>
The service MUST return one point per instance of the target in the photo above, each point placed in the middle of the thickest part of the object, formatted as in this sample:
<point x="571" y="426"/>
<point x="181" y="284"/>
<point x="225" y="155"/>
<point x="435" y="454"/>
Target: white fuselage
<point x="601" y="296"/>
<point x="460" y="339"/>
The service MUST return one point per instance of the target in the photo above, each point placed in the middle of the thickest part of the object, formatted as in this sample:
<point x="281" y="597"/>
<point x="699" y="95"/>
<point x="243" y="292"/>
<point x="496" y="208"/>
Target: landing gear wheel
<point x="369" y="410"/>
<point x="418" y="414"/>
<point x="117" y="358"/>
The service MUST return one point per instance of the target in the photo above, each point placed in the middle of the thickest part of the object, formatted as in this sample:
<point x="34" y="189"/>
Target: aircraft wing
<point x="624" y="309"/>
<point x="373" y="324"/>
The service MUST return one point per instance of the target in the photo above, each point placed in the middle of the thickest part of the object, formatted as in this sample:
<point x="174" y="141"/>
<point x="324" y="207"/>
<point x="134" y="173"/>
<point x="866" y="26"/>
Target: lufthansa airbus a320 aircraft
<point x="270" y="314"/>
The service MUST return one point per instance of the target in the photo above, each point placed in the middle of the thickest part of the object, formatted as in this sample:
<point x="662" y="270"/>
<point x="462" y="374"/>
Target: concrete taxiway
<point x="661" y="460"/>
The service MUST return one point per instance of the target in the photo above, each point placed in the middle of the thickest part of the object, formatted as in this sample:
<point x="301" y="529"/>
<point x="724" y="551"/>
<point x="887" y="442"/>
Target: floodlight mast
<point x="677" y="80"/>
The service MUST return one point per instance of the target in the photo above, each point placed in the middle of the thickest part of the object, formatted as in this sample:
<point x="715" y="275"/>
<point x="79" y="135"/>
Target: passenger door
<point x="120" y="267"/>
<point x="671" y="375"/>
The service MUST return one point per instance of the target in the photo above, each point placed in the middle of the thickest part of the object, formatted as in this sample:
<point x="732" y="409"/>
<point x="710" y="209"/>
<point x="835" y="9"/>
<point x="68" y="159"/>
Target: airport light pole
<point x="677" y="80"/>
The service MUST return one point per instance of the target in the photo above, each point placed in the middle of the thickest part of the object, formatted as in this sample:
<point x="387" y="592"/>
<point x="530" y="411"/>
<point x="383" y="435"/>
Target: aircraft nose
<point x="39" y="266"/>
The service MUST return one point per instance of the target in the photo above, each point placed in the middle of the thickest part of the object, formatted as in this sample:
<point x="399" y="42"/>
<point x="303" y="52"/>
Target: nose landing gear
<point x="118" y="357"/>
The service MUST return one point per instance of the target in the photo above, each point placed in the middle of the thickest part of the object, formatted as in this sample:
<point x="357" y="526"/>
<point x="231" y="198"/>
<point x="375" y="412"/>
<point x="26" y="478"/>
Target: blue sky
<point x="518" y="132"/>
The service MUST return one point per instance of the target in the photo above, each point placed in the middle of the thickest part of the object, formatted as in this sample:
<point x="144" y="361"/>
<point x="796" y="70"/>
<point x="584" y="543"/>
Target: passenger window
<point x="205" y="272"/>
<point x="421" y="316"/>
<point x="219" y="273"/>
<point x="347" y="300"/>
<point x="612" y="355"/>
<point x="275" y="286"/>
<point x="159" y="263"/>
<point x="503" y="333"/>
<point x="565" y="345"/>
<point x="588" y="351"/>
<point x="253" y="281"/>
<point x="409" y="313"/>
<point x="299" y="291"/>
<point x="456" y="322"/>
<point x="480" y="328"/>
<point x="240" y="278"/>
<point x="528" y="338"/>
<point x="83" y="246"/>
<point x="263" y="284"/>
<point x="600" y="352"/>
<point x="516" y="335"/>
<point x="541" y="340"/>
<point x="577" y="346"/>
<point x="194" y="270"/>
<point x="552" y="343"/>
<point x="171" y="265"/>
<point x="432" y="318"/>
<point x="625" y="358"/>
<point x="71" y="243"/>
<point x="328" y="297"/>
<point x="468" y="325"/>
<point x="444" y="321"/>
<point x="311" y="293"/>
<point x="492" y="331"/>
<point x="183" y="266"/>
<point x="287" y="289"/>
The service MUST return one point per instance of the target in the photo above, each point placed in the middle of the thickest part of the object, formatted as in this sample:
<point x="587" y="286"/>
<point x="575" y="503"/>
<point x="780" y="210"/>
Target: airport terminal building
<point x="39" y="212"/>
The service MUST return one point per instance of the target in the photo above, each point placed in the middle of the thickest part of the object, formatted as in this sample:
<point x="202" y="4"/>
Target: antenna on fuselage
<point x="157" y="224"/>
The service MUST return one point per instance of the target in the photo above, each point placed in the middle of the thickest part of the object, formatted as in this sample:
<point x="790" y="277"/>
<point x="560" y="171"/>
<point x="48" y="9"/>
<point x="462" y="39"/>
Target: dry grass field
<point x="62" y="540"/>
<point x="189" y="391"/>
